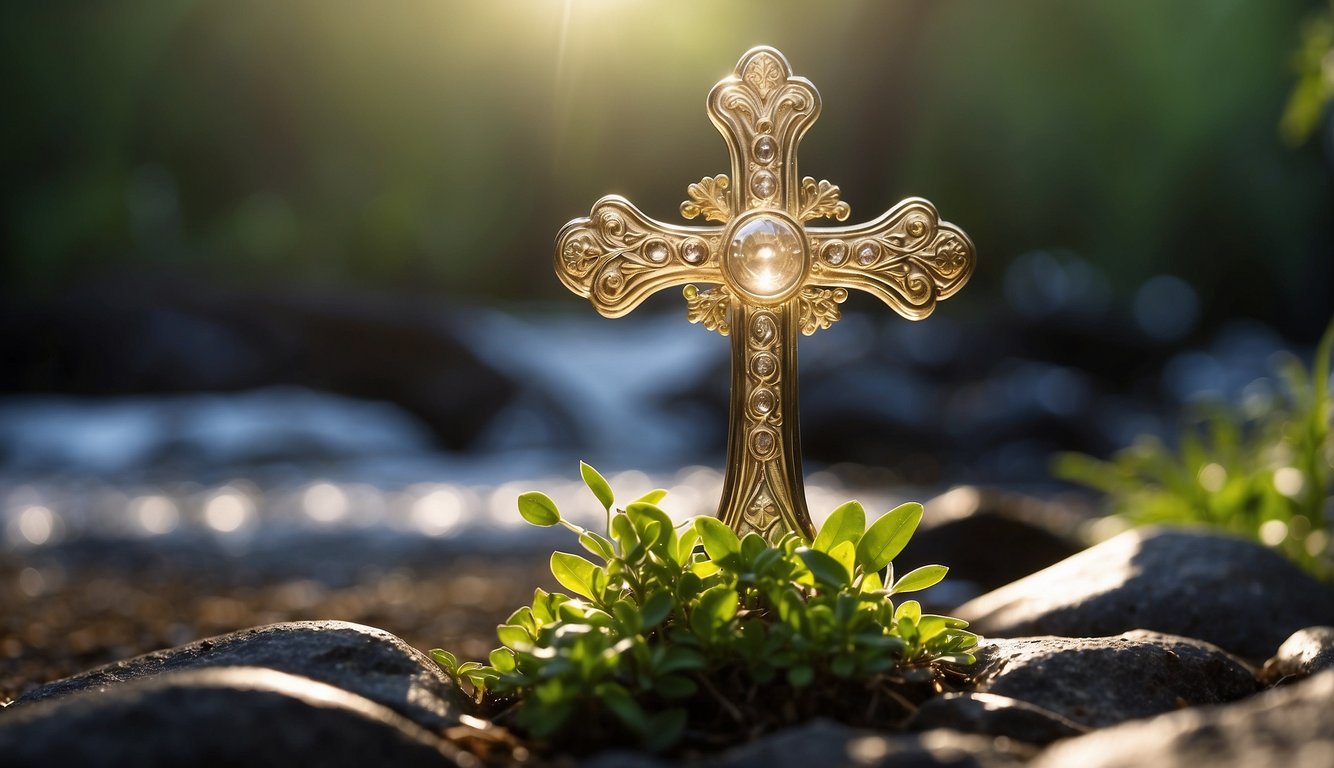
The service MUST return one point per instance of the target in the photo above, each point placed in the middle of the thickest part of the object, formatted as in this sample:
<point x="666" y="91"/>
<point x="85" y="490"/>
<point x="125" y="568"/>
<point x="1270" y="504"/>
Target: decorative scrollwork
<point x="617" y="256"/>
<point x="818" y="308"/>
<point x="764" y="73"/>
<point x="762" y="111"/>
<point x="820" y="200"/>
<point x="762" y="516"/>
<point x="708" y="197"/>
<point x="908" y="258"/>
<point x="708" y="307"/>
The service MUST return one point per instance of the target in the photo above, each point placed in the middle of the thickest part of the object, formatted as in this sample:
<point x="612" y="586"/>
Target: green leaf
<point x="642" y="515"/>
<point x="598" y="485"/>
<point x="538" y="508"/>
<point x="844" y="524"/>
<point x="653" y="496"/>
<point x="920" y="578"/>
<point x="716" y="607"/>
<point x="629" y="616"/>
<point x="656" y="609"/>
<point x="843" y="666"/>
<point x="800" y="676"/>
<point x="957" y="659"/>
<point x="514" y="636"/>
<point x="523" y="617"/>
<point x="623" y="531"/>
<point x="689" y="585"/>
<point x="826" y="570"/>
<point x="845" y="553"/>
<point x="625" y="708"/>
<point x="686" y="545"/>
<point x="665" y="729"/>
<point x="574" y="573"/>
<point x="598" y="544"/>
<point x="720" y="541"/>
<point x="676" y="658"/>
<point x="910" y="610"/>
<point x="447" y="661"/>
<point x="675" y="687"/>
<point x="887" y="537"/>
<point x="502" y="659"/>
<point x="752" y="545"/>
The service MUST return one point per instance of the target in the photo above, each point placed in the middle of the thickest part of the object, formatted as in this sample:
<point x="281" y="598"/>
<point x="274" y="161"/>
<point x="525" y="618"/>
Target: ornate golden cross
<point x="771" y="275"/>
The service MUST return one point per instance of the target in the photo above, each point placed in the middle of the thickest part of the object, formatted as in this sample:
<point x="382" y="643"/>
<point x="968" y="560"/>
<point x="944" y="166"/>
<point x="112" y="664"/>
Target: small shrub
<point x="1261" y="469"/>
<point x="675" y="629"/>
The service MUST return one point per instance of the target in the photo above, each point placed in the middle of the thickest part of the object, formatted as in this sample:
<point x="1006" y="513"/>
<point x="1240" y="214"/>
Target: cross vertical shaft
<point x="763" y="490"/>
<point x="770" y="275"/>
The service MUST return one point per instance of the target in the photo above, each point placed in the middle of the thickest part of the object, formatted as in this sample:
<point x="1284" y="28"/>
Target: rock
<point x="140" y="337"/>
<point x="234" y="716"/>
<point x="1288" y="727"/>
<point x="989" y="538"/>
<point x="1308" y="652"/>
<point x="829" y="744"/>
<point x="1105" y="680"/>
<point x="992" y="715"/>
<point x="362" y="660"/>
<point x="1234" y="593"/>
<point x="826" y="743"/>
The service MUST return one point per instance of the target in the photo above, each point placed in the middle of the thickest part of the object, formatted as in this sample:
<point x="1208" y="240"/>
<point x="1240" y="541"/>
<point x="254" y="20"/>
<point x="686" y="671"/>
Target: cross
<point x="770" y="275"/>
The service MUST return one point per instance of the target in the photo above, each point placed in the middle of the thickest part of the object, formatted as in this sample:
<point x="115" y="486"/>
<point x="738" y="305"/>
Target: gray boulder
<point x="1101" y="681"/>
<point x="1233" y="593"/>
<point x="1289" y="727"/>
<point x="1307" y="652"/>
<point x="990" y="714"/>
<point x="363" y="660"/>
<point x="204" y="717"/>
<point x="828" y="744"/>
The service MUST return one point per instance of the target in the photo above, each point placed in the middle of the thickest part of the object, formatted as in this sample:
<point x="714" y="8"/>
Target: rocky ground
<point x="1158" y="647"/>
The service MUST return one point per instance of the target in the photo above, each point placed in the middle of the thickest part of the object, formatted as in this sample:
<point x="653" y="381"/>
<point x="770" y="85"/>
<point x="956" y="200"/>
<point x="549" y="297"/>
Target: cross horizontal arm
<point x="908" y="258"/>
<point x="617" y="256"/>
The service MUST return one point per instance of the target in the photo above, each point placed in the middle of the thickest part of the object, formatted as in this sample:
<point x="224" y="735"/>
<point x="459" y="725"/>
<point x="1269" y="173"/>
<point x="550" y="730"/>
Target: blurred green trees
<point x="438" y="146"/>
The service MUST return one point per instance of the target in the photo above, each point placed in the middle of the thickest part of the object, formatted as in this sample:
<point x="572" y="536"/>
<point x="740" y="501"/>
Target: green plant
<point x="1313" y="62"/>
<point x="688" y="628"/>
<point x="1262" y="468"/>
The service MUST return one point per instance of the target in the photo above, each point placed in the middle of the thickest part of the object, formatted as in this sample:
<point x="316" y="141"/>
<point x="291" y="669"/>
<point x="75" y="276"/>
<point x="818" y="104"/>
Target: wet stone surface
<point x="1289" y="727"/>
<point x="1100" y="681"/>
<point x="1233" y="593"/>
<point x="225" y="716"/>
<point x="362" y="660"/>
<point x="1308" y="652"/>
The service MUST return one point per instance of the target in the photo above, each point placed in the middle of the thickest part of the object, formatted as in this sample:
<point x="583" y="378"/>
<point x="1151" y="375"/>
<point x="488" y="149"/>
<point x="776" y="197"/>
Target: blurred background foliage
<point x="435" y="147"/>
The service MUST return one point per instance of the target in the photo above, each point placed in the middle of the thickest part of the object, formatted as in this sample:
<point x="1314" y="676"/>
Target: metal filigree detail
<point x="617" y="256"/>
<point x="762" y="517"/>
<point x="818" y="308"/>
<point x="908" y="257"/>
<point x="820" y="200"/>
<point x="764" y="73"/>
<point x="708" y="198"/>
<point x="708" y="307"/>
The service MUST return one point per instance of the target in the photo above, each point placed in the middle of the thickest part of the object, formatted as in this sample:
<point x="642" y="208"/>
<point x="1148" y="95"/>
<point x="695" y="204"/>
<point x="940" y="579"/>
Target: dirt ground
<point x="62" y="616"/>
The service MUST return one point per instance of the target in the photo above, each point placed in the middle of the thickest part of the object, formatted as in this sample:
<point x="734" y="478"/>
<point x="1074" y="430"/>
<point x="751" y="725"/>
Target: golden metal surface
<point x="769" y="275"/>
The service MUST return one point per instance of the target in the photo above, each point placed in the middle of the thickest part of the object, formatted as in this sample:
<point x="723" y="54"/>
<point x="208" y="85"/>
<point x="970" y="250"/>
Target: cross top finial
<point x="771" y="275"/>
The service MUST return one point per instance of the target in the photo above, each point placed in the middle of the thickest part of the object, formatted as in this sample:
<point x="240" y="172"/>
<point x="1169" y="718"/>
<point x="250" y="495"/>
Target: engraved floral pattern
<point x="708" y="198"/>
<point x="820" y="200"/>
<point x="818" y="308"/>
<point x="764" y="74"/>
<point x="708" y="307"/>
